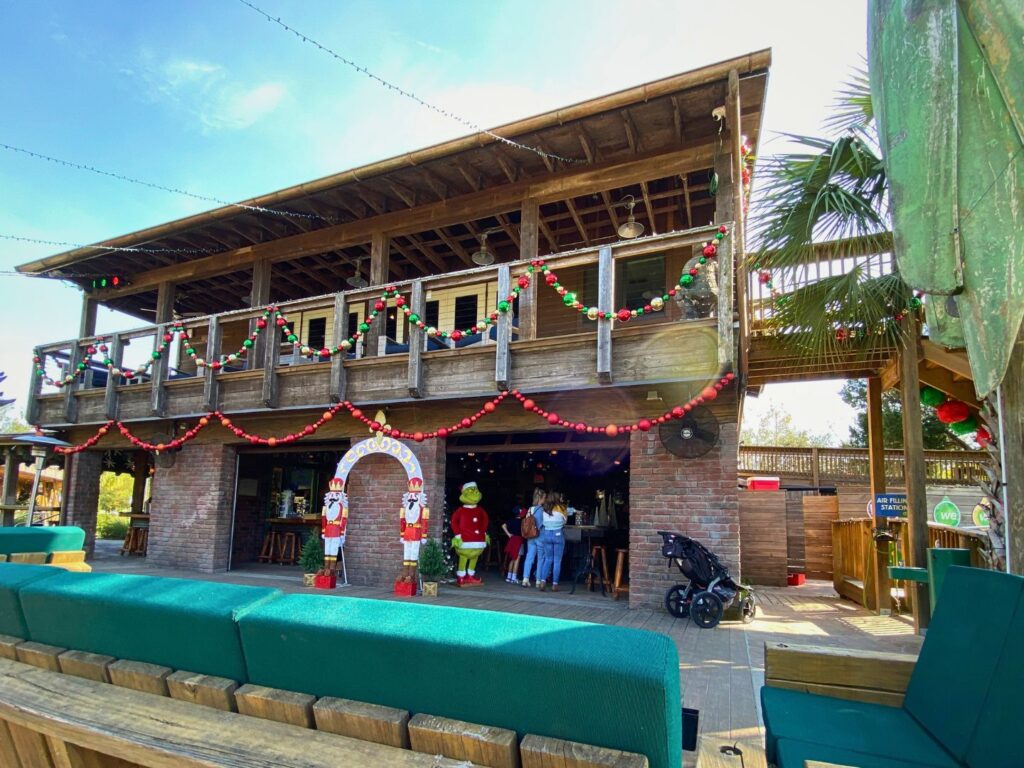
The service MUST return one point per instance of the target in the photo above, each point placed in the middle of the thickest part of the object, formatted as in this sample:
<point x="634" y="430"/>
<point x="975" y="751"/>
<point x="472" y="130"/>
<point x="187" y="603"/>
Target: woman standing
<point x="552" y="540"/>
<point x="536" y="511"/>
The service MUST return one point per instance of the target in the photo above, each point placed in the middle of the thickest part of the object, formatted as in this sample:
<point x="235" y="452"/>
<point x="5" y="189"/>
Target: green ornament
<point x="640" y="311"/>
<point x="247" y="343"/>
<point x="932" y="397"/>
<point x="719" y="235"/>
<point x="80" y="366"/>
<point x="915" y="303"/>
<point x="156" y="355"/>
<point x="568" y="299"/>
<point x="686" y="280"/>
<point x="503" y="306"/>
<point x="965" y="427"/>
<point x="414" y="318"/>
<point x="364" y="327"/>
<point x="530" y="269"/>
<point x="702" y="260"/>
<point x="292" y="338"/>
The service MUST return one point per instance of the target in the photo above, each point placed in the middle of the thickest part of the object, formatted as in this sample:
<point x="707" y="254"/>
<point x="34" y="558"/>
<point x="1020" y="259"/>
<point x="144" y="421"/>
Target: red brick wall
<point x="82" y="493"/>
<point x="191" y="509"/>
<point x="373" y="552"/>
<point x="695" y="497"/>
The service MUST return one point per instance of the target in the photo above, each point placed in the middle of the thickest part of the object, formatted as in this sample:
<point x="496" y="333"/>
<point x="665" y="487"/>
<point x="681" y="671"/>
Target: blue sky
<point x="210" y="97"/>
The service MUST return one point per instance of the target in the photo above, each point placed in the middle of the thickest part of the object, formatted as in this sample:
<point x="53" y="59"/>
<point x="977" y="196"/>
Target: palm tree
<point x="829" y="205"/>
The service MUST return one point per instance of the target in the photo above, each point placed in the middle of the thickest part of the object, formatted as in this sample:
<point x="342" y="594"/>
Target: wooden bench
<point x="717" y="751"/>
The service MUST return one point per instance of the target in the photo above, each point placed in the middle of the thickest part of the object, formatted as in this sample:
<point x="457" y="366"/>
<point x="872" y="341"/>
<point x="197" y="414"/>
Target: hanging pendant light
<point x="483" y="257"/>
<point x="357" y="280"/>
<point x="631" y="227"/>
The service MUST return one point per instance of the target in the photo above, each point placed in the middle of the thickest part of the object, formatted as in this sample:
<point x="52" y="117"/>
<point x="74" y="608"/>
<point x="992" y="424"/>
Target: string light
<point x="161" y="187"/>
<point x="408" y="94"/>
<point x="133" y="249"/>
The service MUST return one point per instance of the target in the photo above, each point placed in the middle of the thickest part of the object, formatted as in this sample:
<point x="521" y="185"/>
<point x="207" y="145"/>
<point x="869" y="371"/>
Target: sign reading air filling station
<point x="890" y="505"/>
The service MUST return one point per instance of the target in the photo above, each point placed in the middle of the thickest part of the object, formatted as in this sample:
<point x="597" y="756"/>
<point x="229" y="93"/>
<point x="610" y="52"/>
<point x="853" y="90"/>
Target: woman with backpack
<point x="554" y="515"/>
<point x="530" y="531"/>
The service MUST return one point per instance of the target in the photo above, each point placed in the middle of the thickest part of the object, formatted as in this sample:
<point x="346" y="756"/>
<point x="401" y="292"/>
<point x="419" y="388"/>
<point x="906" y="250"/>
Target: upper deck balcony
<point x="538" y="344"/>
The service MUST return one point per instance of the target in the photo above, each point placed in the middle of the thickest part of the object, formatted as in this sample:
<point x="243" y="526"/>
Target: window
<point x="431" y="315"/>
<point x="639" y="280"/>
<point x="353" y="324"/>
<point x="316" y="336"/>
<point x="391" y="324"/>
<point x="465" y="311"/>
<point x="588" y="295"/>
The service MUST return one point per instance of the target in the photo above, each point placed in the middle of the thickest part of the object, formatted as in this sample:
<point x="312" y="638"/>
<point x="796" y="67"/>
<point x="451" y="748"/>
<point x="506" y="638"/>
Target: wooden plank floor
<point x="721" y="671"/>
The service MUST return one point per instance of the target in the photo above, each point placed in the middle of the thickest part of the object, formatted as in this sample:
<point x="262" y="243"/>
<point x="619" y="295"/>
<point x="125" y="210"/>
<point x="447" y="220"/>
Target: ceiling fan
<point x="691" y="436"/>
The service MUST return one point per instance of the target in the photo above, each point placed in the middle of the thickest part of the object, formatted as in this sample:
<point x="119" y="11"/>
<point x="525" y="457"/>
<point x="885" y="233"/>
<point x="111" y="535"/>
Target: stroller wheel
<point x="677" y="601"/>
<point x="748" y="609"/>
<point x="706" y="610"/>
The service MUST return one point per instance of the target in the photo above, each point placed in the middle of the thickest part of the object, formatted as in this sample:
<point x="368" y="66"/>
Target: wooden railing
<point x="853" y="550"/>
<point x="209" y="333"/>
<point x="824" y="466"/>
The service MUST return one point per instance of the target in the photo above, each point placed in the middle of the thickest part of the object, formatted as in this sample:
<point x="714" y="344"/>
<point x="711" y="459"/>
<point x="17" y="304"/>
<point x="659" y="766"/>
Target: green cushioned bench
<point x="962" y="704"/>
<point x="12" y="578"/>
<point x="607" y="686"/>
<point x="58" y="538"/>
<point x="178" y="623"/>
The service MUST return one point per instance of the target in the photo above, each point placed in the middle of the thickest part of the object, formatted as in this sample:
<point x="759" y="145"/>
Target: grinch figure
<point x="413" y="519"/>
<point x="333" y="521"/>
<point x="469" y="534"/>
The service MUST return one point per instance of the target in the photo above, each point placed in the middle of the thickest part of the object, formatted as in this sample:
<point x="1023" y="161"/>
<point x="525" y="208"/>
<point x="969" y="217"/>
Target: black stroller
<point x="710" y="591"/>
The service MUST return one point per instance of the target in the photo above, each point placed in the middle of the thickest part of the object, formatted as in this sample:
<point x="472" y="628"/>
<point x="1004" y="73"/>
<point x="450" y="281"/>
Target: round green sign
<point x="981" y="513"/>
<point x="946" y="513"/>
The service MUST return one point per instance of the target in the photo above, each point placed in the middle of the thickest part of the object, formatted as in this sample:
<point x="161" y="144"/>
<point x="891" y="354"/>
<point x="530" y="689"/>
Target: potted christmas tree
<point x="311" y="559"/>
<point x="433" y="567"/>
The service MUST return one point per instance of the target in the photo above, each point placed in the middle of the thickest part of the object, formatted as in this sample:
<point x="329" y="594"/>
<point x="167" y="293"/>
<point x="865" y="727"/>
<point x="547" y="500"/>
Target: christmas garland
<point x="956" y="415"/>
<point x="571" y="298"/>
<point x="581" y="427"/>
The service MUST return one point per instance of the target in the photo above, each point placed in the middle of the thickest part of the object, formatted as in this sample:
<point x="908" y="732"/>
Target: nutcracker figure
<point x="469" y="529"/>
<point x="413" y="519"/>
<point x="333" y="521"/>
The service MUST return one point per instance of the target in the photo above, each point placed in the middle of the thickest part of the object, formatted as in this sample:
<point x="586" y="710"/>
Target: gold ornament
<point x="657" y="304"/>
<point x="592" y="313"/>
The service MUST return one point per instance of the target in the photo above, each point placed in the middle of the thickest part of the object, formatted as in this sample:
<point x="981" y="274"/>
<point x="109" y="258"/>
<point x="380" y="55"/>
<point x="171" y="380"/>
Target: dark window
<point x="353" y="324"/>
<point x="465" y="312"/>
<point x="588" y="296"/>
<point x="431" y="315"/>
<point x="640" y="280"/>
<point x="391" y="325"/>
<point x="317" y="332"/>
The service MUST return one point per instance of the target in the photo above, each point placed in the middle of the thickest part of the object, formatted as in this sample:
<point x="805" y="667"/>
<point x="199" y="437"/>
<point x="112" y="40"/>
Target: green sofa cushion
<point x="791" y="753"/>
<point x="179" y="623"/>
<point x="601" y="685"/>
<point x="869" y="729"/>
<point x="14" y="576"/>
<point x="996" y="740"/>
<point x="58" y="538"/>
<point x="957" y="663"/>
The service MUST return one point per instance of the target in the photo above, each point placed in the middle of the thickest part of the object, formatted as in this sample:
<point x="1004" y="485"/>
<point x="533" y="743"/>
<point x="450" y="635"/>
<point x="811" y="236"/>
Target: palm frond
<point x="852" y="111"/>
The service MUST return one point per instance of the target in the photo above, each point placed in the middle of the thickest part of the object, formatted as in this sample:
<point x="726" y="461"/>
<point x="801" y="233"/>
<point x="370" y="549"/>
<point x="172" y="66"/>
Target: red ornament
<point x="764" y="276"/>
<point x="709" y="393"/>
<point x="442" y="432"/>
<point x="379" y="305"/>
<point x="325" y="352"/>
<point x="723" y="229"/>
<point x="693" y="271"/>
<point x="356" y="413"/>
<point x="581" y="427"/>
<point x="842" y="334"/>
<point x="280" y="322"/>
<point x="952" y="411"/>
<point x="709" y="251"/>
<point x="523" y="281"/>
<point x="678" y="412"/>
<point x="611" y="430"/>
<point x="417" y="436"/>
<point x="553" y="418"/>
<point x="328" y="415"/>
<point x="456" y="335"/>
<point x="550" y="278"/>
<point x="644" y="425"/>
<point x="261" y="323"/>
<point x="466" y="423"/>
<point x="400" y="301"/>
<point x="983" y="437"/>
<point x="623" y="315"/>
<point x="528" y="404"/>
<point x="489" y="407"/>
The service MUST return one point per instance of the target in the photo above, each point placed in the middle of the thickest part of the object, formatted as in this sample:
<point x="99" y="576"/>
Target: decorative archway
<point x="385" y="445"/>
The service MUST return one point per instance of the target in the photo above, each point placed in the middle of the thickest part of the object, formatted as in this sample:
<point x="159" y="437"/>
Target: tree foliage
<point x="115" y="492"/>
<point x="776" y="428"/>
<point x="855" y="394"/>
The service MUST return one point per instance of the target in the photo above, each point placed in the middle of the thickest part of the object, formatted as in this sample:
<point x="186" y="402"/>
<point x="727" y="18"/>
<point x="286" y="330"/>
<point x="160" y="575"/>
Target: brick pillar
<point x="191" y="509"/>
<point x="373" y="551"/>
<point x="81" y="493"/>
<point x="695" y="497"/>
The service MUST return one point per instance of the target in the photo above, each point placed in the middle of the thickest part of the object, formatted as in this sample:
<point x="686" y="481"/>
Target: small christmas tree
<point x="312" y="557"/>
<point x="432" y="561"/>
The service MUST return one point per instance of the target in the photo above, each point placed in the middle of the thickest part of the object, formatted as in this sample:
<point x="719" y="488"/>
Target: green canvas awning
<point x="948" y="96"/>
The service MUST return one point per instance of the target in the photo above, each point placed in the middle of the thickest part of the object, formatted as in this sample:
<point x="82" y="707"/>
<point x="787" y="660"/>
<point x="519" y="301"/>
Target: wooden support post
<point x="211" y="385"/>
<point x="1011" y="414"/>
<point x="205" y="690"/>
<point x="415" y="339"/>
<point x="110" y="396"/>
<point x="380" y="256"/>
<point x="165" y="302"/>
<point x="502" y="353"/>
<point x="70" y="401"/>
<point x="914" y="467"/>
<point x="369" y="722"/>
<point x="271" y="355"/>
<point x="87" y="321"/>
<point x="478" y="744"/>
<point x="738" y="233"/>
<point x="259" y="297"/>
<point x="10" y="488"/>
<point x="40" y="655"/>
<point x="878" y="555"/>
<point x="158" y="374"/>
<point x="140" y="676"/>
<point x="815" y="467"/>
<point x="338" y="383"/>
<point x="9" y="647"/>
<point x="529" y="237"/>
<point x="274" y="704"/>
<point x="139" y="478"/>
<point x="726" y="336"/>
<point x="606" y="302"/>
<point x="90" y="666"/>
<point x="35" y="386"/>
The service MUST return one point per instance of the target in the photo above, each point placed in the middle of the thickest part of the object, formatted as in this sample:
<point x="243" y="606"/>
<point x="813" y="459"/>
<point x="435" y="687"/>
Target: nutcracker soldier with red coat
<point x="333" y="522"/>
<point x="414" y="517"/>
<point x="469" y="534"/>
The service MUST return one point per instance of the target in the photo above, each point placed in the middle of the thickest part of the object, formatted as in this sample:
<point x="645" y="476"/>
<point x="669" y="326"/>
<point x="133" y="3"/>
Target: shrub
<point x="312" y="557"/>
<point x="111" y="526"/>
<point x="432" y="563"/>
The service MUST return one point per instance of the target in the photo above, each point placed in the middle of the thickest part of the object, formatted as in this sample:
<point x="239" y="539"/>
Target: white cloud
<point x="234" y="110"/>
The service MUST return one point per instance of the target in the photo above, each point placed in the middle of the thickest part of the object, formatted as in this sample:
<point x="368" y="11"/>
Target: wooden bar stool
<point x="142" y="541"/>
<point x="289" y="544"/>
<point x="269" y="549"/>
<point x="594" y="552"/>
<point x="129" y="537"/>
<point x="618" y="587"/>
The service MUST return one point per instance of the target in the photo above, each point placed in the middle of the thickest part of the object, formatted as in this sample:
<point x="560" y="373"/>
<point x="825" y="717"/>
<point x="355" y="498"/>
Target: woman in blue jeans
<point x="552" y="541"/>
<point x="533" y="545"/>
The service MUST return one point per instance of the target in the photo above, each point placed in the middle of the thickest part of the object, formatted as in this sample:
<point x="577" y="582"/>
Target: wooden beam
<point x="338" y="382"/>
<point x="259" y="296"/>
<point x="427" y="251"/>
<point x="677" y="119"/>
<point x="632" y="135"/>
<point x="412" y="258"/>
<point x="271" y="357"/>
<point x="87" y="321"/>
<point x="650" y="208"/>
<point x="878" y="555"/>
<point x="35" y="386"/>
<point x="945" y="381"/>
<point x="380" y="265"/>
<point x="589" y="150"/>
<point x="956" y="362"/>
<point x="686" y="200"/>
<point x="738" y="233"/>
<point x="574" y="182"/>
<point x="914" y="466"/>
<point x="211" y="383"/>
<point x="140" y="475"/>
<point x="511" y="170"/>
<point x="455" y="246"/>
<point x="474" y="180"/>
<point x="605" y="301"/>
<point x="577" y="220"/>
<point x="404" y="194"/>
<point x="417" y="303"/>
<point x="110" y="396"/>
<point x="502" y="353"/>
<point x="70" y="401"/>
<point x="529" y="220"/>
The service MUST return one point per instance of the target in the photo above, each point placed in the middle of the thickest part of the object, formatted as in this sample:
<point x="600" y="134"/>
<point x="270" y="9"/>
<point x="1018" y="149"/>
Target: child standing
<point x="513" y="528"/>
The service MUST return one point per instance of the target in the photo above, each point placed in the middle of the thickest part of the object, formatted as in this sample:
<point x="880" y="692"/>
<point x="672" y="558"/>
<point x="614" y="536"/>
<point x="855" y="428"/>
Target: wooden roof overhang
<point x="656" y="141"/>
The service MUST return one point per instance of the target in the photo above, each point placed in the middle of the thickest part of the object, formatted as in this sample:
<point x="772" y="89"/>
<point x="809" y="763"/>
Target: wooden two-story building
<point x="452" y="230"/>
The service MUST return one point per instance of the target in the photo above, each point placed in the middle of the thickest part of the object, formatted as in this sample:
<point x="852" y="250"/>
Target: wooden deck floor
<point x="721" y="671"/>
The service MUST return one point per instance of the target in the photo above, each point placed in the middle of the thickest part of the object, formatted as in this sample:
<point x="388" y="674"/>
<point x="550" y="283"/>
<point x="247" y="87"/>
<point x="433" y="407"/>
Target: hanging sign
<point x="890" y="505"/>
<point x="946" y="512"/>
